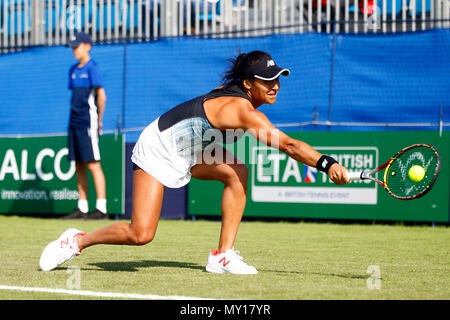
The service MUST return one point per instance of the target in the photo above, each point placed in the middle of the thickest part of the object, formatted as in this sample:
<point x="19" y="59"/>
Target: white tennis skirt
<point x="155" y="152"/>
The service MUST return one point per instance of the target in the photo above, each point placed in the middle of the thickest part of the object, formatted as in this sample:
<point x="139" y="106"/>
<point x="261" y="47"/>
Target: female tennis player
<point x="171" y="150"/>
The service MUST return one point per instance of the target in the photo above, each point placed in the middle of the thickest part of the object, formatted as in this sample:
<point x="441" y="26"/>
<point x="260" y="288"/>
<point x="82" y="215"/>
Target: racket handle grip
<point x="355" y="175"/>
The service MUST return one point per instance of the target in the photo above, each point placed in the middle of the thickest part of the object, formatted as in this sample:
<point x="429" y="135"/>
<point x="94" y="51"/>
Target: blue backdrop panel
<point x="33" y="91"/>
<point x="367" y="78"/>
<point x="392" y="79"/>
<point x="34" y="94"/>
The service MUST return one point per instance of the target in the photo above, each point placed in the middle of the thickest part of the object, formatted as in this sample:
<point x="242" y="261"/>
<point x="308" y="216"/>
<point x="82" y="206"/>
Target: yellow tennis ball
<point x="416" y="173"/>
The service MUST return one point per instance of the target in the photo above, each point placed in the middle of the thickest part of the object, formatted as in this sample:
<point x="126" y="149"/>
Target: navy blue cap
<point x="80" y="37"/>
<point x="266" y="69"/>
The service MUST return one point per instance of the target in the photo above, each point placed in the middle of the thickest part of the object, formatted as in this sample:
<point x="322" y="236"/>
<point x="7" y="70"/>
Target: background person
<point x="85" y="126"/>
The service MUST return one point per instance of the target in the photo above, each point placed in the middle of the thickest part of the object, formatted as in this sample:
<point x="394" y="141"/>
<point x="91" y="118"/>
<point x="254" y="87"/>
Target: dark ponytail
<point x="237" y="72"/>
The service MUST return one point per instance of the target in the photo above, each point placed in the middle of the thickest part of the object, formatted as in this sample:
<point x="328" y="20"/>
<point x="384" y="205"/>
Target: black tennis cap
<point x="266" y="69"/>
<point x="80" y="37"/>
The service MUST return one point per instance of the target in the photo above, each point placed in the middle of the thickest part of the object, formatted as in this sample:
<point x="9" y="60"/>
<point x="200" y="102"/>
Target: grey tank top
<point x="190" y="127"/>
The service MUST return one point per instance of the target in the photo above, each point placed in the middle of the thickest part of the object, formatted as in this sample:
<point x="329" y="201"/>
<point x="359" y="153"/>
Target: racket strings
<point x="397" y="178"/>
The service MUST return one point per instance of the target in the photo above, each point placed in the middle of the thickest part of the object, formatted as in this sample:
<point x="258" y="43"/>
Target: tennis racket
<point x="396" y="178"/>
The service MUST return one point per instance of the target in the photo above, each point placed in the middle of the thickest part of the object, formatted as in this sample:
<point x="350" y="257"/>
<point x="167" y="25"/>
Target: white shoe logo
<point x="65" y="243"/>
<point x="224" y="262"/>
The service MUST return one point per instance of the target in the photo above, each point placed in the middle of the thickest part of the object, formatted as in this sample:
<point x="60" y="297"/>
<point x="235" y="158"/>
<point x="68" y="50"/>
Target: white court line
<point x="87" y="293"/>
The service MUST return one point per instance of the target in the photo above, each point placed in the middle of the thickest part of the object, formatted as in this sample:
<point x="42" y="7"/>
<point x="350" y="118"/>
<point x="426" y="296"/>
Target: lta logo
<point x="277" y="177"/>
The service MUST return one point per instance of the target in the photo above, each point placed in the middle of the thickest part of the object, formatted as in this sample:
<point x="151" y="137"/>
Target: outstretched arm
<point x="258" y="125"/>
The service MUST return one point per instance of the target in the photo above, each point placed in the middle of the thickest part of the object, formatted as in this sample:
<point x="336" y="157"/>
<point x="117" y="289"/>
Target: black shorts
<point x="83" y="144"/>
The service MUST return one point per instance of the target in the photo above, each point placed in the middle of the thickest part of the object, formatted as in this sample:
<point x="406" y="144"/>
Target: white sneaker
<point x="61" y="250"/>
<point x="228" y="261"/>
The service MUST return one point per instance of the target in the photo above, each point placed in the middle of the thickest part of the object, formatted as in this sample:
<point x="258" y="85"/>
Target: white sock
<point x="101" y="205"/>
<point x="83" y="205"/>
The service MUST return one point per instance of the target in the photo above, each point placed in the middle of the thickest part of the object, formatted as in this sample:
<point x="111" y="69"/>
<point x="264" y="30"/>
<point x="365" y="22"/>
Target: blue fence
<point x="400" y="78"/>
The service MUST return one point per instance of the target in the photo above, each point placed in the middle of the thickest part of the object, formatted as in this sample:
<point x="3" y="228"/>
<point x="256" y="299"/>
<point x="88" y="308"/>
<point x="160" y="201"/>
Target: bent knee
<point x="237" y="176"/>
<point x="141" y="238"/>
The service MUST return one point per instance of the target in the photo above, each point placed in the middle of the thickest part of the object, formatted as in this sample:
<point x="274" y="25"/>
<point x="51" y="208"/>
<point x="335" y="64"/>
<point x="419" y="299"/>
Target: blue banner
<point x="344" y="78"/>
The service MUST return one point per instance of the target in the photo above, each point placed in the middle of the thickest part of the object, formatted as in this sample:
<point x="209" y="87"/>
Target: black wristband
<point x="324" y="163"/>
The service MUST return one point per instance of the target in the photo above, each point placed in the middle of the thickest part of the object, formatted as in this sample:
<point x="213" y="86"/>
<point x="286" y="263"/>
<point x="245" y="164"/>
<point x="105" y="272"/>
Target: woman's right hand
<point x="338" y="174"/>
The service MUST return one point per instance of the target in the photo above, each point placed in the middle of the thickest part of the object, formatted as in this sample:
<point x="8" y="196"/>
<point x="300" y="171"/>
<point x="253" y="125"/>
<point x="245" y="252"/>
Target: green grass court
<point x="295" y="260"/>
